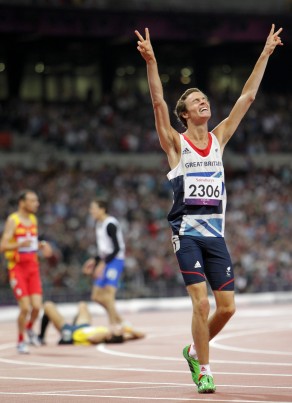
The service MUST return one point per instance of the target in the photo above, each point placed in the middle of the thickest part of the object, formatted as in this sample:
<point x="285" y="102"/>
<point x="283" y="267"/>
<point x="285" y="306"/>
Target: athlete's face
<point x="31" y="203"/>
<point x="198" y="107"/>
<point x="95" y="211"/>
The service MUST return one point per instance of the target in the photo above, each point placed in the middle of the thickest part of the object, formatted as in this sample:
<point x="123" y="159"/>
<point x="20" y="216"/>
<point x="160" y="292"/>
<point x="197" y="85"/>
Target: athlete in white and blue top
<point x="197" y="216"/>
<point x="108" y="264"/>
<point x="199" y="190"/>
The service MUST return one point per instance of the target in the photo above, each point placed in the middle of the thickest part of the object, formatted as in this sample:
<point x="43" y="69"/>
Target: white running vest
<point x="199" y="193"/>
<point x="104" y="242"/>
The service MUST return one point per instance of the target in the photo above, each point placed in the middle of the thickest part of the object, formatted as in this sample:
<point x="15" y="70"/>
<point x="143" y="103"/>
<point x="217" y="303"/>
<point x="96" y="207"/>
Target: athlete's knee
<point x="48" y="305"/>
<point x="202" y="306"/>
<point x="82" y="308"/>
<point x="226" y="311"/>
<point x="99" y="298"/>
<point x="36" y="306"/>
<point x="24" y="310"/>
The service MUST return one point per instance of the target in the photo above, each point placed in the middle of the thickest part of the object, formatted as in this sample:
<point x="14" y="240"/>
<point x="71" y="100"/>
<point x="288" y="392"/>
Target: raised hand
<point x="273" y="40"/>
<point x="144" y="46"/>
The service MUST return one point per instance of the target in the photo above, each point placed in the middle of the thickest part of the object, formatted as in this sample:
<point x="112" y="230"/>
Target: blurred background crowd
<point x="76" y="122"/>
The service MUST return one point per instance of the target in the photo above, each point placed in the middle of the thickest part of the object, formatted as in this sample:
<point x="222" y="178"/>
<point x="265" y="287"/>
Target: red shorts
<point x="25" y="279"/>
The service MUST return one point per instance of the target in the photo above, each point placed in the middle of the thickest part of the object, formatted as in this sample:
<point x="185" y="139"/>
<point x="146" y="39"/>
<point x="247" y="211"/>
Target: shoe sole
<point x="207" y="391"/>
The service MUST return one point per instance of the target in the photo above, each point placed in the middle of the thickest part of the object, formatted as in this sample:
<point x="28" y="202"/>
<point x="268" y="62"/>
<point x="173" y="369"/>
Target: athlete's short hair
<point x="102" y="203"/>
<point x="22" y="194"/>
<point x="181" y="105"/>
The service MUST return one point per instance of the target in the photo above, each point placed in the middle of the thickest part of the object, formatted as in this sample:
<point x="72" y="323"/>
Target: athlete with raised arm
<point x="197" y="217"/>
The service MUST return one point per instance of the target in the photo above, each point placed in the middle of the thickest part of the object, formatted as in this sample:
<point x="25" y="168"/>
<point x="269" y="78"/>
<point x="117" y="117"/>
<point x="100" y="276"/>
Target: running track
<point x="251" y="361"/>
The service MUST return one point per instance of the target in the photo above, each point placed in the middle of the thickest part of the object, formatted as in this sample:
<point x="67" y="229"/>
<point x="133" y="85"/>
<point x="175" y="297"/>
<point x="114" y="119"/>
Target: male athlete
<point x="108" y="265"/>
<point x="197" y="217"/>
<point x="21" y="244"/>
<point x="81" y="331"/>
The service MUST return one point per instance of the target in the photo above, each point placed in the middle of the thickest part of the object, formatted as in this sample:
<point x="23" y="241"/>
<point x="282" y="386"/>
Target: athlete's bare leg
<point x="83" y="315"/>
<point x="36" y="304"/>
<point x="24" y="309"/>
<point x="106" y="298"/>
<point x="54" y="315"/>
<point x="200" y="329"/>
<point x="225" y="308"/>
<point x="204" y="329"/>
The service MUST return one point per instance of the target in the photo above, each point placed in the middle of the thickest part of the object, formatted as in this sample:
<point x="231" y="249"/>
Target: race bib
<point x="33" y="247"/>
<point x="202" y="190"/>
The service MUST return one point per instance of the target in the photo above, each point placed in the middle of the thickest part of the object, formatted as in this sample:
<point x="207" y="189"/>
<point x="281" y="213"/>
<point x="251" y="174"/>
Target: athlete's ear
<point x="185" y="114"/>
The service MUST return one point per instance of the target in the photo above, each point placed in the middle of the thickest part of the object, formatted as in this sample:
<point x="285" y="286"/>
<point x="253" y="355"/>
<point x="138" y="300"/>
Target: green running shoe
<point x="193" y="364"/>
<point x="206" y="384"/>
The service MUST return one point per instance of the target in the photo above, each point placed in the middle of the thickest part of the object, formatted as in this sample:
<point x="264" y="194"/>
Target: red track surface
<point x="251" y="361"/>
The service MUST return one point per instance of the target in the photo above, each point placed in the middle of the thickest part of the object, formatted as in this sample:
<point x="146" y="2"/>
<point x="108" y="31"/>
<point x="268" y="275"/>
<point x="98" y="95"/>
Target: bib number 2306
<point x="203" y="190"/>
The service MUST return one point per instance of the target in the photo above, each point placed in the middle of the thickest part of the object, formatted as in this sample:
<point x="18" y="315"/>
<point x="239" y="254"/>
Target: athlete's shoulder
<point x="112" y="220"/>
<point x="14" y="217"/>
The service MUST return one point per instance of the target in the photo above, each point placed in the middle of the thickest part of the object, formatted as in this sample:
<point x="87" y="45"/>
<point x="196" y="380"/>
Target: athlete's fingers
<point x="278" y="32"/>
<point x="147" y="34"/>
<point x="139" y="35"/>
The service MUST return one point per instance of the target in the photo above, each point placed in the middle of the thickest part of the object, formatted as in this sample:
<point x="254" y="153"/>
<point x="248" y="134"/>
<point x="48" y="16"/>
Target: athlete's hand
<point x="46" y="249"/>
<point x="273" y="40"/>
<point x="144" y="46"/>
<point x="88" y="267"/>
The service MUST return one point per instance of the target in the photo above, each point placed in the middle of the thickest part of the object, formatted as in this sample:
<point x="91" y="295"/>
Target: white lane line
<point x="215" y="342"/>
<point x="143" y="398"/>
<point x="104" y="349"/>
<point x="133" y="369"/>
<point x="111" y="382"/>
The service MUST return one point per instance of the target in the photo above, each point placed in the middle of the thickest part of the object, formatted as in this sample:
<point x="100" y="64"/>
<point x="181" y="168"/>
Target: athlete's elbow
<point x="252" y="98"/>
<point x="248" y="97"/>
<point x="157" y="103"/>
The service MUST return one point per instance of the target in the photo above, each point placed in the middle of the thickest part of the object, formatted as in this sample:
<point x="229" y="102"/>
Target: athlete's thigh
<point x="197" y="292"/>
<point x="190" y="259"/>
<point x="24" y="303"/>
<point x="36" y="301"/>
<point x="218" y="265"/>
<point x="224" y="299"/>
<point x="96" y="292"/>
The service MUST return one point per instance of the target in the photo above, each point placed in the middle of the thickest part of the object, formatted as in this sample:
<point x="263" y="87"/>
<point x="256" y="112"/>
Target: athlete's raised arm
<point x="227" y="127"/>
<point x="168" y="136"/>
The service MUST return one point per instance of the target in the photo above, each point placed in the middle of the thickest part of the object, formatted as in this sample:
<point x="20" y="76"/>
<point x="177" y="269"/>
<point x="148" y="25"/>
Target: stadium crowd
<point x="259" y="219"/>
<point x="114" y="124"/>
<point x="259" y="226"/>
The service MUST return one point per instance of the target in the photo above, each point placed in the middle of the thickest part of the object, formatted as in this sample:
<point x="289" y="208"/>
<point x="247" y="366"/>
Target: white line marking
<point x="132" y="369"/>
<point x="188" y="399"/>
<point x="214" y="343"/>
<point x="29" y="379"/>
<point x="104" y="349"/>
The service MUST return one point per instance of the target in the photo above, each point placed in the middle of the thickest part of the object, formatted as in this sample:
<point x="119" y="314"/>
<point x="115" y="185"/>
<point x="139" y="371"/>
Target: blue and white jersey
<point x="199" y="195"/>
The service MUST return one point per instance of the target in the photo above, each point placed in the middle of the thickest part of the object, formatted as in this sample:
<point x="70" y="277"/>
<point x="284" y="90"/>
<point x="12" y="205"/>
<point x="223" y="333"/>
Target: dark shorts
<point x="202" y="258"/>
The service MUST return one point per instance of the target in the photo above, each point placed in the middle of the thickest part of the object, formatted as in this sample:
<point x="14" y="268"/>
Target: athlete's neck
<point x="199" y="136"/>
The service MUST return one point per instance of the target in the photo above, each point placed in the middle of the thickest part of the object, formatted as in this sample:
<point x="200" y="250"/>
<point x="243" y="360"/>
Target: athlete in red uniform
<point x="20" y="244"/>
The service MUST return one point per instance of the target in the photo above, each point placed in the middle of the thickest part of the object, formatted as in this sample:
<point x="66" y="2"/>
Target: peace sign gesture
<point x="273" y="40"/>
<point x="144" y="46"/>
